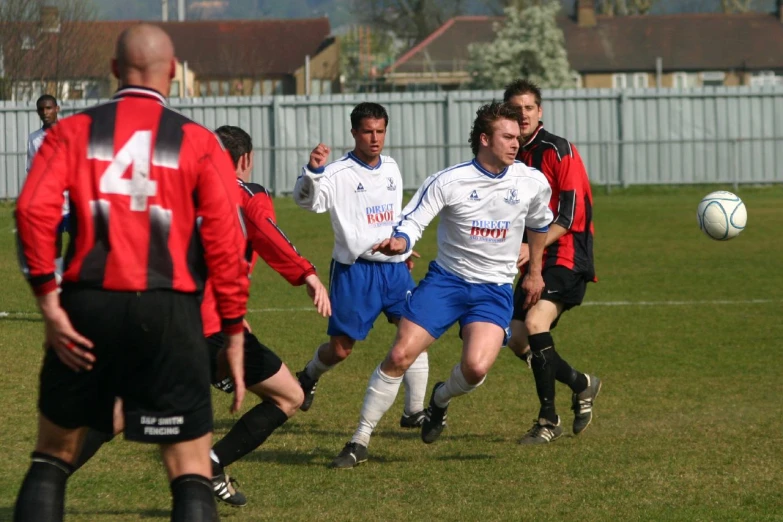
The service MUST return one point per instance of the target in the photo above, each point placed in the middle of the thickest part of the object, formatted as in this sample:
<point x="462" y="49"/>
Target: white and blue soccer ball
<point x="722" y="215"/>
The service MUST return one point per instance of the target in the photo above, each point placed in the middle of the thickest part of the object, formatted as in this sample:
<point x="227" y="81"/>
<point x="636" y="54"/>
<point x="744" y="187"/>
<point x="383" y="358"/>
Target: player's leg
<point x="187" y="464"/>
<point x="483" y="324"/>
<point x="68" y="402"/>
<point x="42" y="495"/>
<point x="354" y="310"/>
<point x="434" y="305"/>
<point x="382" y="389"/>
<point x="94" y="439"/>
<point x="281" y="395"/>
<point x="165" y="387"/>
<point x="481" y="345"/>
<point x="398" y="284"/>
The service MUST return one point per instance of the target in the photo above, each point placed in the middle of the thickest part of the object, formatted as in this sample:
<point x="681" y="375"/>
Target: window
<point x="762" y="78"/>
<point x="174" y="91"/>
<point x="28" y="42"/>
<point x="713" y="78"/>
<point x="315" y="86"/>
<point x="640" y="80"/>
<point x="619" y="81"/>
<point x="256" y="88"/>
<point x="326" y="86"/>
<point x="92" y="90"/>
<point x="268" y="86"/>
<point x="214" y="88"/>
<point x="225" y="88"/>
<point x="202" y="89"/>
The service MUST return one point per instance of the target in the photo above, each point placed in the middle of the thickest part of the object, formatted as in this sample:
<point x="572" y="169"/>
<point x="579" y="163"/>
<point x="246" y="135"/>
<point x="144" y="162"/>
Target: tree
<point x="626" y="7"/>
<point x="46" y="44"/>
<point x="736" y="6"/>
<point x="527" y="44"/>
<point x="364" y="54"/>
<point x="409" y="20"/>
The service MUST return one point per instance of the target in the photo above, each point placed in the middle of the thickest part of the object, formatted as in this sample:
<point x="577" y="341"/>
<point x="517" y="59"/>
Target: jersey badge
<point x="512" y="198"/>
<point x="474" y="196"/>
<point x="360" y="188"/>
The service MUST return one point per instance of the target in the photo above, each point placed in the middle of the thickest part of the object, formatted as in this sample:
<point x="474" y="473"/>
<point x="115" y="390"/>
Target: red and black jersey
<point x="571" y="203"/>
<point x="265" y="239"/>
<point x="153" y="201"/>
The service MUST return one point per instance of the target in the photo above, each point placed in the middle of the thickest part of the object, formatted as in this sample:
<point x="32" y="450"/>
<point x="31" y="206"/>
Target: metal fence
<point x="626" y="137"/>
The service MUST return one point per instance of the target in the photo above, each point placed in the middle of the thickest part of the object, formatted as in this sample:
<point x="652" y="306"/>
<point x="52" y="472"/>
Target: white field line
<point x="586" y="303"/>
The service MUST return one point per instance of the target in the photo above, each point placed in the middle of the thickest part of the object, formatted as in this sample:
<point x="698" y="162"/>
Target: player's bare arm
<point x="533" y="282"/>
<point x="319" y="156"/>
<point x="319" y="294"/>
<point x="235" y="358"/>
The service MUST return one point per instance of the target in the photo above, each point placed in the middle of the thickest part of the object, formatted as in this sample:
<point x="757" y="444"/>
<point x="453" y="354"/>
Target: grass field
<point x="684" y="331"/>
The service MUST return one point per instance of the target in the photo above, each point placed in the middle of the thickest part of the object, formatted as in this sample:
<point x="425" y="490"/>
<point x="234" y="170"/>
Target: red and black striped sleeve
<point x="266" y="238"/>
<point x="569" y="175"/>
<point x="39" y="211"/>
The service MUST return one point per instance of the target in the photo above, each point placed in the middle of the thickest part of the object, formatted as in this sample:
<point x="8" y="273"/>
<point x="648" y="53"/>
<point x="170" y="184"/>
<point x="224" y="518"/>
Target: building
<point x="686" y="50"/>
<point x="215" y="58"/>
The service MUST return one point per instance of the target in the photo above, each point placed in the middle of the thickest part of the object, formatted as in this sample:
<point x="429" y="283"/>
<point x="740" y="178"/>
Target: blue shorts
<point x="442" y="298"/>
<point x="361" y="291"/>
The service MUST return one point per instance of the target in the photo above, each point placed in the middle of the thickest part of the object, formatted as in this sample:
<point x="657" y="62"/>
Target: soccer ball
<point x="722" y="215"/>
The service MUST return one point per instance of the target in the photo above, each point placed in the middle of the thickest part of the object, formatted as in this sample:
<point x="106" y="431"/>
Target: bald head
<point x="145" y="57"/>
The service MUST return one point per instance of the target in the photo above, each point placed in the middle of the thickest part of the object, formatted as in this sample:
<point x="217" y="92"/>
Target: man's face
<point x="504" y="141"/>
<point x="370" y="137"/>
<point x="531" y="113"/>
<point x="47" y="111"/>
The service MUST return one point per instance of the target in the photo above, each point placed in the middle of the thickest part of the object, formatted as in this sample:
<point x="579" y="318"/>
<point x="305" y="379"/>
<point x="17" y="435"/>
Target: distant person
<point x="568" y="267"/>
<point x="362" y="191"/>
<point x="140" y="176"/>
<point x="48" y="111"/>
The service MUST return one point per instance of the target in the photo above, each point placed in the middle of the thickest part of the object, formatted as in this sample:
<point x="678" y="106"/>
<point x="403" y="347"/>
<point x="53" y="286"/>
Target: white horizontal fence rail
<point x="626" y="137"/>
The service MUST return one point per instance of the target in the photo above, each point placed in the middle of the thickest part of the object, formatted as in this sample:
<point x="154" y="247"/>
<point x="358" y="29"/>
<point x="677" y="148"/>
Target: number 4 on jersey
<point x="135" y="153"/>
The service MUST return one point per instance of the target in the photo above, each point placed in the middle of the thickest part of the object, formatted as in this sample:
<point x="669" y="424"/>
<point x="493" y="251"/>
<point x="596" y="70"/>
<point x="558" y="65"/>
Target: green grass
<point x="687" y="427"/>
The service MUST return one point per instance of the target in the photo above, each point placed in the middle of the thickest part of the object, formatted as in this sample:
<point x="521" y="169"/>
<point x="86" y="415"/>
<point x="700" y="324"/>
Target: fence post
<point x="275" y="142"/>
<point x="447" y="127"/>
<point x="622" y="102"/>
<point x="735" y="148"/>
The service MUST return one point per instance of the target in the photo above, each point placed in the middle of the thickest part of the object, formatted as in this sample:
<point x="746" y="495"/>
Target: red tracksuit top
<point x="153" y="202"/>
<point x="571" y="202"/>
<point x="264" y="239"/>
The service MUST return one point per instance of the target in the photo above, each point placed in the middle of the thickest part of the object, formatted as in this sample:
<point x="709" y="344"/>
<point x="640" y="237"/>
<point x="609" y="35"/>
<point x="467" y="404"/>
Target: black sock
<point x="249" y="432"/>
<point x="92" y="443"/>
<point x="569" y="376"/>
<point x="192" y="499"/>
<point x="42" y="497"/>
<point x="544" y="365"/>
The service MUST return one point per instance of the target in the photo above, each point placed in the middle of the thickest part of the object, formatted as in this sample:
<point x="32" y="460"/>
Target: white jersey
<point x="364" y="203"/>
<point x="34" y="142"/>
<point x="483" y="217"/>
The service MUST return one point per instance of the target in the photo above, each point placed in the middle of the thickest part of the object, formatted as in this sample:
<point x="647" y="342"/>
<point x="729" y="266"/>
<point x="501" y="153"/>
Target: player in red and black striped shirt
<point x="265" y="374"/>
<point x="568" y="267"/>
<point x="155" y="209"/>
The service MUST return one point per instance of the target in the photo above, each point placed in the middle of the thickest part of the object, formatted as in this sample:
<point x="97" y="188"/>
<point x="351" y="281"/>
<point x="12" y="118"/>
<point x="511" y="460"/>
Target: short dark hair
<point x="522" y="86"/>
<point x="486" y="116"/>
<point x="236" y="141"/>
<point x="46" y="97"/>
<point x="375" y="111"/>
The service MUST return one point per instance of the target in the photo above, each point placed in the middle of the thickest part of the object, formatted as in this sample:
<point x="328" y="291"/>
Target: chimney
<point x="50" y="19"/>
<point x="585" y="13"/>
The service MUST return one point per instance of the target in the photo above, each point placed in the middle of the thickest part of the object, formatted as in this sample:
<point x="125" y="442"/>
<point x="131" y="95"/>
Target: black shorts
<point x="149" y="351"/>
<point x="261" y="363"/>
<point x="561" y="285"/>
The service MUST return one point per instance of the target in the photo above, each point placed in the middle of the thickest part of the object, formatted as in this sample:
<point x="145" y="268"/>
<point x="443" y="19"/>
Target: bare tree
<point x="626" y="7"/>
<point x="47" y="43"/>
<point x="409" y="20"/>
<point x="736" y="6"/>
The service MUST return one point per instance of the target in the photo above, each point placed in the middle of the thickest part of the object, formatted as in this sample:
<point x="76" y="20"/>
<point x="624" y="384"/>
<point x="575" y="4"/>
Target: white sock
<point x="415" y="381"/>
<point x="381" y="392"/>
<point x="315" y="368"/>
<point x="455" y="386"/>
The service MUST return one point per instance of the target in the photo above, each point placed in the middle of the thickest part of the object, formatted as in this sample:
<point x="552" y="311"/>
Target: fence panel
<point x="626" y="137"/>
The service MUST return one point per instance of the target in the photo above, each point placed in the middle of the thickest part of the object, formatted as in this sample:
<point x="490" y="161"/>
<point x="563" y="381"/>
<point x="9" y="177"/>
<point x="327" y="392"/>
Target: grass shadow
<point x="318" y="457"/>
